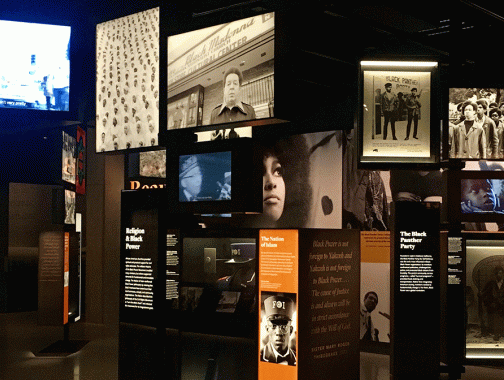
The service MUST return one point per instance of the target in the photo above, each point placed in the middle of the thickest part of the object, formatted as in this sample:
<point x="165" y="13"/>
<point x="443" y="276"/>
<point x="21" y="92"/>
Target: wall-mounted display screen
<point x="35" y="66"/>
<point x="222" y="74"/>
<point x="481" y="197"/>
<point x="205" y="177"/>
<point x="476" y="123"/>
<point x="208" y="171"/>
<point x="127" y="82"/>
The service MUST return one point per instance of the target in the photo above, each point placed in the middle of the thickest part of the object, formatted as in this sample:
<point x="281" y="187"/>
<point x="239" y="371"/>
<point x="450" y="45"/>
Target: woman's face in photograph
<point x="273" y="188"/>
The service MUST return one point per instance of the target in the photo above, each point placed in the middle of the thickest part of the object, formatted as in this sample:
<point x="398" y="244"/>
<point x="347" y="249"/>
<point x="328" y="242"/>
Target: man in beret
<point x="232" y="108"/>
<point x="278" y="318"/>
<point x="389" y="104"/>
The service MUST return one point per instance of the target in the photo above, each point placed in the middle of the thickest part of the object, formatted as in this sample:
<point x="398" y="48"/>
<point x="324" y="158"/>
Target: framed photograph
<point x="398" y="122"/>
<point x="483" y="293"/>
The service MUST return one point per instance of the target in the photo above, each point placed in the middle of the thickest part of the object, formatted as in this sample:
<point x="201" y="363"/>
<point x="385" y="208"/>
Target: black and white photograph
<point x="485" y="295"/>
<point x="222" y="74"/>
<point x="205" y="177"/>
<point x="36" y="66"/>
<point x="127" y="82"/>
<point x="375" y="302"/>
<point x="69" y="207"/>
<point x="396" y="114"/>
<point x="69" y="158"/>
<point x="278" y="328"/>
<point x="476" y="123"/>
<point x="301" y="182"/>
<point x="224" y="133"/>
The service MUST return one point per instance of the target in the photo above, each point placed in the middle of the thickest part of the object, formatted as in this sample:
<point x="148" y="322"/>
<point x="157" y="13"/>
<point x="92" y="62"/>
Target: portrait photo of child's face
<point x="478" y="193"/>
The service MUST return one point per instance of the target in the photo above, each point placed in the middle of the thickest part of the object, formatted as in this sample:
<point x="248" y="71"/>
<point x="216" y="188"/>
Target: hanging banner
<point x="80" y="183"/>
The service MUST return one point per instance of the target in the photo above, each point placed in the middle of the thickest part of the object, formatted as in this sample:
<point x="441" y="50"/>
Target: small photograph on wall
<point x="127" y="82"/>
<point x="476" y="123"/>
<point x="485" y="295"/>
<point x="69" y="158"/>
<point x="222" y="74"/>
<point x="69" y="207"/>
<point x="396" y="113"/>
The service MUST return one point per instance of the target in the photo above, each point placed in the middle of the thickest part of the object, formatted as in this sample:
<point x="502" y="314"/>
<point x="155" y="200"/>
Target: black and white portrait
<point x="222" y="74"/>
<point x="278" y="328"/>
<point x="127" y="82"/>
<point x="302" y="182"/>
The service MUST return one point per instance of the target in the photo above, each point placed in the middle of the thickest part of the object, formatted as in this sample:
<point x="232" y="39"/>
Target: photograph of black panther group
<point x="396" y="114"/>
<point x="476" y="123"/>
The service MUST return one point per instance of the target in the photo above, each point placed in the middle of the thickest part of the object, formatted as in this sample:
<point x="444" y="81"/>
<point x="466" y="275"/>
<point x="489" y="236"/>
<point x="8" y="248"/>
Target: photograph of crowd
<point x="127" y="83"/>
<point x="476" y="123"/>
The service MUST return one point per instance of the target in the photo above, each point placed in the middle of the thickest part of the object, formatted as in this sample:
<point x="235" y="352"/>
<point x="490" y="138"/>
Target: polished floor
<point x="21" y="340"/>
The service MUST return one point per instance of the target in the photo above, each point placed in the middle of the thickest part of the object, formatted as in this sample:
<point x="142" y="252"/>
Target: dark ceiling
<point x="330" y="37"/>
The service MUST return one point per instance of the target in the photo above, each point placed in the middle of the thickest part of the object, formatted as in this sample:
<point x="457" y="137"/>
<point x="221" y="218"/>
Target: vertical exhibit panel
<point x="278" y="293"/>
<point x="51" y="279"/>
<point x="139" y="252"/>
<point x="312" y="329"/>
<point x="416" y="291"/>
<point x="328" y="338"/>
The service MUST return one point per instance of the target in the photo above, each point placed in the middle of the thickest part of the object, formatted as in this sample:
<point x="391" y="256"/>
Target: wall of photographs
<point x="410" y="135"/>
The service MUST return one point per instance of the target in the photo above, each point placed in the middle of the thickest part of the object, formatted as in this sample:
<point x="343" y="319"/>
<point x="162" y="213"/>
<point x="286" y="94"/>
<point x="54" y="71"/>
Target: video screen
<point x="222" y="74"/>
<point x="127" y="82"/>
<point x="205" y="177"/>
<point x="35" y="66"/>
<point x="476" y="123"/>
<point x="482" y="196"/>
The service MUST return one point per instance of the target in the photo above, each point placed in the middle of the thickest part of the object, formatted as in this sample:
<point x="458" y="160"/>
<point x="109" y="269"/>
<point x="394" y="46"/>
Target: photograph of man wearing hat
<point x="191" y="179"/>
<point x="278" y="311"/>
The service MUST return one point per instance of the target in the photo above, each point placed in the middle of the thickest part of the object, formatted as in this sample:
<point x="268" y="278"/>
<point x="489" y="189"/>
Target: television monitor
<point x="478" y="110"/>
<point x="215" y="177"/>
<point x="127" y="82"/>
<point x="480" y="199"/>
<point x="222" y="74"/>
<point x="215" y="185"/>
<point x="35" y="66"/>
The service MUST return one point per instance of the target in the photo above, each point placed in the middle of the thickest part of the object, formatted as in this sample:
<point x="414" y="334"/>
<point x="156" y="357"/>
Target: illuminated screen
<point x="222" y="74"/>
<point x="35" y="66"/>
<point x="205" y="177"/>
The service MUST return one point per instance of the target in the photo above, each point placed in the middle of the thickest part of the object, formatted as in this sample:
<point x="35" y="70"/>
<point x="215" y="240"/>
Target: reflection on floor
<point x="21" y="337"/>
